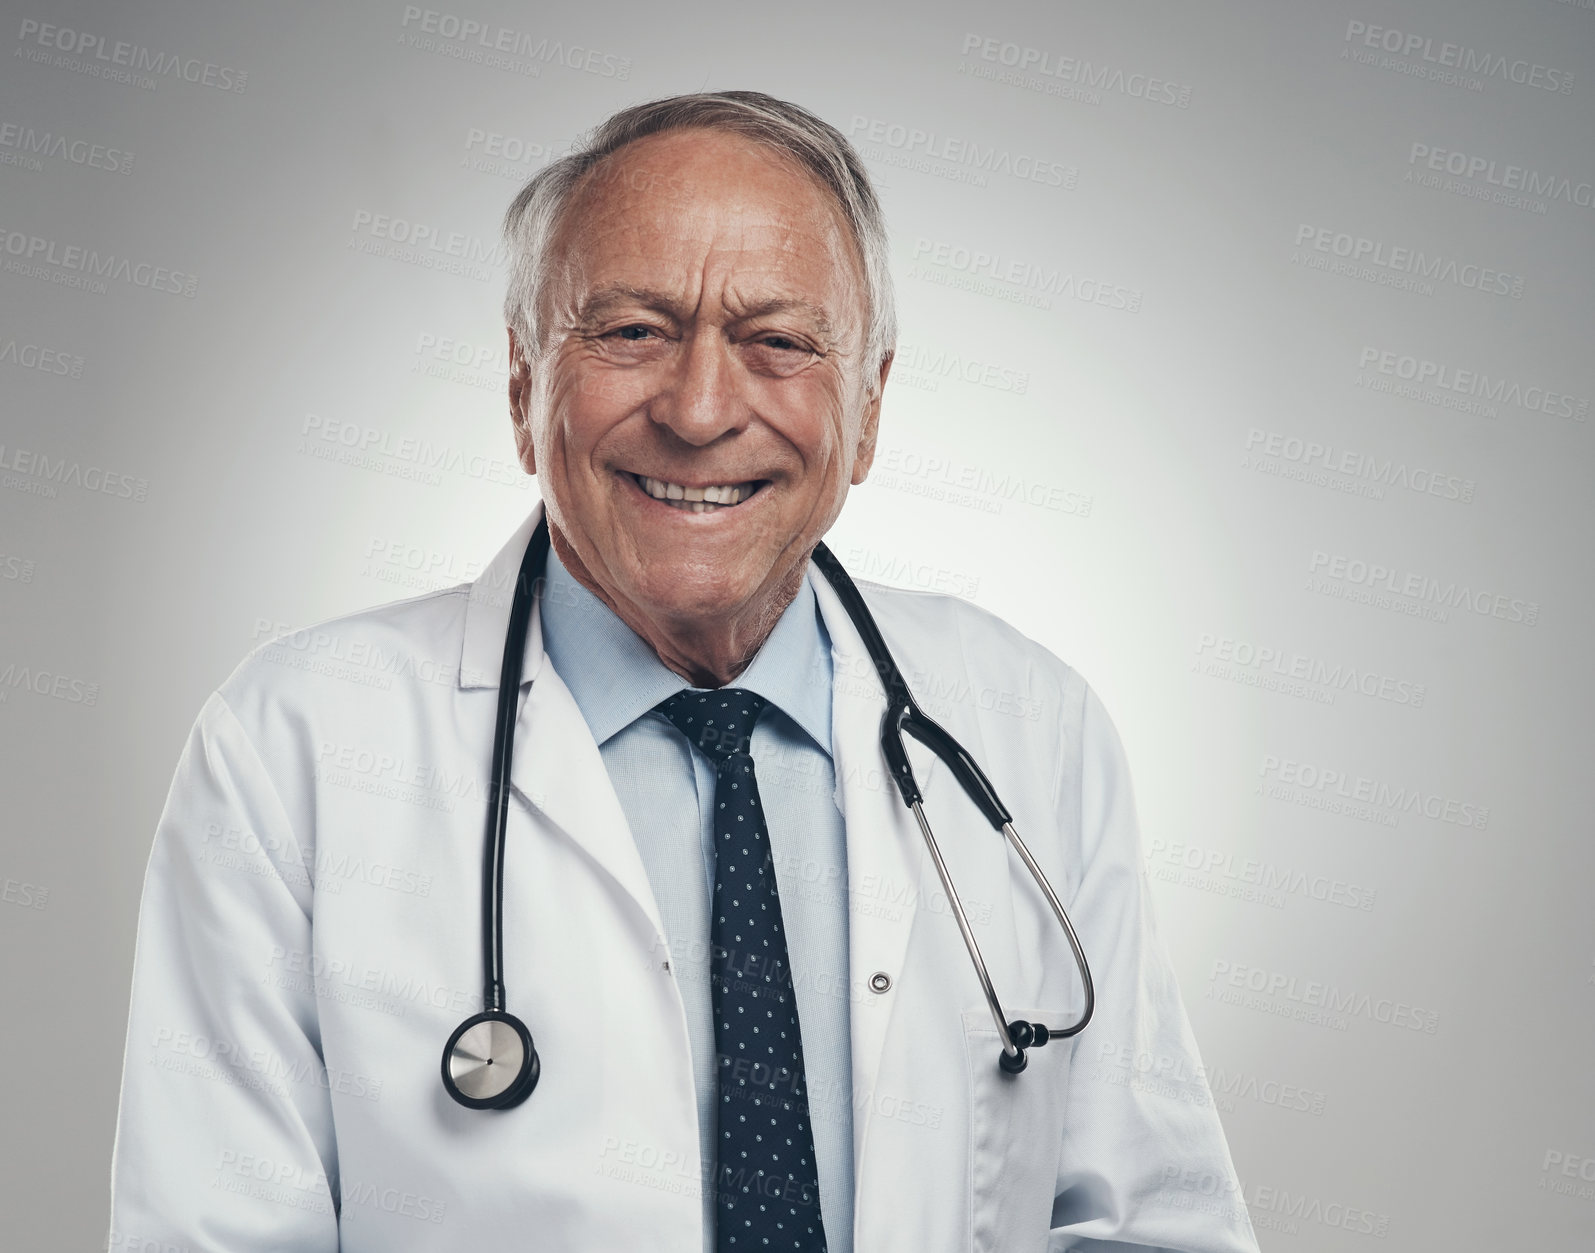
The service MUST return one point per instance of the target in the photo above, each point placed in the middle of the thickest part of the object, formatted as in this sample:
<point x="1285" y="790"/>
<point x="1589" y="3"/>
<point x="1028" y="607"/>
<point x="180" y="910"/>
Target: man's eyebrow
<point x="776" y="304"/>
<point x="604" y="300"/>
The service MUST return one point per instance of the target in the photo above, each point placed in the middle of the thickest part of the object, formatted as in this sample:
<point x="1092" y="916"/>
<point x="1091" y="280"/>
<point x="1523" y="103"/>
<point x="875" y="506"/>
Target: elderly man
<point x="727" y="1000"/>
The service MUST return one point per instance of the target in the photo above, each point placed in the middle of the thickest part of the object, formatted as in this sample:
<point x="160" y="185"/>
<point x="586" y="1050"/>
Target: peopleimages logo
<point x="1023" y="281"/>
<point x="1336" y="676"/>
<point x="1424" y="480"/>
<point x="1457" y="57"/>
<point x="1173" y="1076"/>
<point x="239" y="1065"/>
<point x="25" y="145"/>
<point x="1495" y="389"/>
<point x="897" y="466"/>
<point x="1568" y="1174"/>
<point x="424" y="243"/>
<point x="1170" y="862"/>
<point x="1501" y="174"/>
<point x="63" y="687"/>
<point x="1359" y="250"/>
<point x="461" y="361"/>
<point x="489" y="45"/>
<point x="124" y="62"/>
<point x="911" y="147"/>
<point x="1279" y="1209"/>
<point x="943" y="363"/>
<point x="1309" y="1000"/>
<point x="900" y="571"/>
<point x="17" y="569"/>
<point x="1025" y="61"/>
<point x="507" y="156"/>
<point x="406" y="456"/>
<point x="72" y="265"/>
<point x="1375" y="577"/>
<point x="1290" y="780"/>
<point x="38" y="357"/>
<point x="26" y="470"/>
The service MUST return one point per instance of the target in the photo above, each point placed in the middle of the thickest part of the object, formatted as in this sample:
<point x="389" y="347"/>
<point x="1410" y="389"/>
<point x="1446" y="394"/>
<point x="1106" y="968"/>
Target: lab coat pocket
<point x="1015" y="1135"/>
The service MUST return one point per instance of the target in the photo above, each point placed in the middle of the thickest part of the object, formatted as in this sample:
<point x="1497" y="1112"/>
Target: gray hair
<point x="817" y="146"/>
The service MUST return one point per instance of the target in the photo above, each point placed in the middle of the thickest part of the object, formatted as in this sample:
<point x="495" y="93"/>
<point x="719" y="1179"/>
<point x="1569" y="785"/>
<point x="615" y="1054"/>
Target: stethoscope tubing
<point x="509" y="684"/>
<point x="902" y="714"/>
<point x="1062" y="915"/>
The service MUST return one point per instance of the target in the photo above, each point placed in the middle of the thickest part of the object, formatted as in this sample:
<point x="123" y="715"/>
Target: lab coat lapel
<point x="487" y="615"/>
<point x="558" y="769"/>
<point x="885" y="853"/>
<point x="556" y="766"/>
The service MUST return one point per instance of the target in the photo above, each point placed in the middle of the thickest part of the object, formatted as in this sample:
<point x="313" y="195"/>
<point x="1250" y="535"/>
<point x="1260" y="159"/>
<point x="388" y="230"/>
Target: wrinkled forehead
<point x="671" y="201"/>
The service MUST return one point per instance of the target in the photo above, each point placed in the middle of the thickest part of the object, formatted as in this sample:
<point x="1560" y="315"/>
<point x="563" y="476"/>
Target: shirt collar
<point x="615" y="677"/>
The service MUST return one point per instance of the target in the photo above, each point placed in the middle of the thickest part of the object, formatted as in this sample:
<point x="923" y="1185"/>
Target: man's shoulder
<point x="946" y="641"/>
<point x="951" y="622"/>
<point x="380" y="648"/>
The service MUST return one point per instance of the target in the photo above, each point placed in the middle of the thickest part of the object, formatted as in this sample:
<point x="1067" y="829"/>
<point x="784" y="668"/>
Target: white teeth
<point x="696" y="499"/>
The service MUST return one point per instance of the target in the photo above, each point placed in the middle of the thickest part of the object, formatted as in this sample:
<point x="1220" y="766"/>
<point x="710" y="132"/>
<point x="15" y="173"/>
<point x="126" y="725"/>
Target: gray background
<point x="1105" y="452"/>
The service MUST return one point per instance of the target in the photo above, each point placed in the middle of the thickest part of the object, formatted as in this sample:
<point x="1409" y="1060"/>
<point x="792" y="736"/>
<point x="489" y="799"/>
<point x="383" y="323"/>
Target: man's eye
<point x="779" y="355"/>
<point x="632" y="333"/>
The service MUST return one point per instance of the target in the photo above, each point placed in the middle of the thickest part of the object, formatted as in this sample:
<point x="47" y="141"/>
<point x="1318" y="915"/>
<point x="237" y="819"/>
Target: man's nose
<point x="702" y="400"/>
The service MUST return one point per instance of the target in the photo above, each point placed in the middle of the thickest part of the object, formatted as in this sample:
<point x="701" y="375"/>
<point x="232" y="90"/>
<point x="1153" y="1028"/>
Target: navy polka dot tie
<point x="767" y="1188"/>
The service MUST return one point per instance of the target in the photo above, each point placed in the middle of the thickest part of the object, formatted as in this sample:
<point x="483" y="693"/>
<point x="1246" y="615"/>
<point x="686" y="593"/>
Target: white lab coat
<point x="310" y="936"/>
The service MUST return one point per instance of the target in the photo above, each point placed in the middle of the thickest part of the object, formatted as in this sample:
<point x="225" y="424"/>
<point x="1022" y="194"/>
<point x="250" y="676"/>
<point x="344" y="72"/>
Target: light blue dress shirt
<point x="666" y="790"/>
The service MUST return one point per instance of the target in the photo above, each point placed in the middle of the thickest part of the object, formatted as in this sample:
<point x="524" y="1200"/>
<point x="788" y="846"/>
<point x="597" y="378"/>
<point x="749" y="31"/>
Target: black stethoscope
<point x="489" y="1061"/>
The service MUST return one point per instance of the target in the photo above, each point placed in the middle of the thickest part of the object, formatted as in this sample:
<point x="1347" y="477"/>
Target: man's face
<point x="703" y="335"/>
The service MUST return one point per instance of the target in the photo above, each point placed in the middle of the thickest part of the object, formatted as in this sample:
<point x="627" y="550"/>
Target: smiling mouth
<point x="710" y="499"/>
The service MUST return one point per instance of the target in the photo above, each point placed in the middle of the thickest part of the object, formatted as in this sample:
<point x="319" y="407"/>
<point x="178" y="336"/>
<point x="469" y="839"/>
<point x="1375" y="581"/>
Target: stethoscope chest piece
<point x="489" y="1062"/>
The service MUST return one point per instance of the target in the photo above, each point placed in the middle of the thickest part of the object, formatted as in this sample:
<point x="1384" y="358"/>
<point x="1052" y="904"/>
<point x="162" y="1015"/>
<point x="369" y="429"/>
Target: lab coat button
<point x="880" y="981"/>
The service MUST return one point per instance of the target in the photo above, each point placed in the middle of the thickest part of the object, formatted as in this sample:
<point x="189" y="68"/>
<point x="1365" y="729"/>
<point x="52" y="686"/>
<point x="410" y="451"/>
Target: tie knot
<point x="719" y="723"/>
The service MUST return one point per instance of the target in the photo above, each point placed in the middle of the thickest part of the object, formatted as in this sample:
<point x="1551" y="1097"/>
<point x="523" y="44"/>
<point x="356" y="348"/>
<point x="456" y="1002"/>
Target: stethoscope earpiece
<point x="1025" y="1035"/>
<point x="489" y="1061"/>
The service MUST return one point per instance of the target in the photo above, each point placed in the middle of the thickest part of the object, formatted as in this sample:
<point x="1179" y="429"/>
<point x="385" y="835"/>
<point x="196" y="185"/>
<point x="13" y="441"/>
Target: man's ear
<point x="521" y="405"/>
<point x="865" y="456"/>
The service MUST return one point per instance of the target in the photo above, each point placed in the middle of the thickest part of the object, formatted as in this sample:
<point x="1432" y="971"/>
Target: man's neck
<point x="705" y="654"/>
